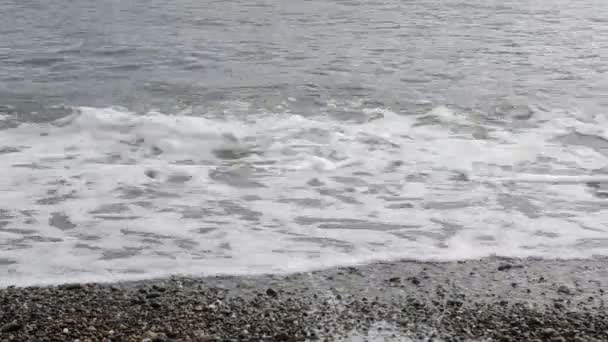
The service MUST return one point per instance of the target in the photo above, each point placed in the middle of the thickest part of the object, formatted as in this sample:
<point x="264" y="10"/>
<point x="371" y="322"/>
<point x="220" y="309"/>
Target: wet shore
<point x="490" y="299"/>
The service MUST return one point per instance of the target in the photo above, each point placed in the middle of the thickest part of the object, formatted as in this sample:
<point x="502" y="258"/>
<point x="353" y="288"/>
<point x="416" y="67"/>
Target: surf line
<point x="554" y="179"/>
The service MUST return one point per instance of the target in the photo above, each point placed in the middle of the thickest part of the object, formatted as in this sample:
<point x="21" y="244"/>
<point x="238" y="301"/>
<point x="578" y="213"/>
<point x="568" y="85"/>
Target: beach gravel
<point x="538" y="300"/>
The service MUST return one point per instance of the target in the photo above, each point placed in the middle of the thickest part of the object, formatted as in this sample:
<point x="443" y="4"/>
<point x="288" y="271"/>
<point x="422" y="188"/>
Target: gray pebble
<point x="563" y="289"/>
<point x="10" y="327"/>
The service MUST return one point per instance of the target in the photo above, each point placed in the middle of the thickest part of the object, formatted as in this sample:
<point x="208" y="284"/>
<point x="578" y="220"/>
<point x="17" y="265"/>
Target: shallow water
<point x="139" y="139"/>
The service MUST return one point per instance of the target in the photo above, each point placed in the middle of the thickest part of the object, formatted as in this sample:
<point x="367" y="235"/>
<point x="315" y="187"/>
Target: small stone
<point x="156" y="150"/>
<point x="272" y="293"/>
<point x="71" y="287"/>
<point x="504" y="267"/>
<point x="138" y="301"/>
<point x="461" y="176"/>
<point x="548" y="332"/>
<point x="152" y="295"/>
<point x="534" y="321"/>
<point x="395" y="280"/>
<point x="158" y="288"/>
<point x="414" y="280"/>
<point x="564" y="290"/>
<point x="314" y="182"/>
<point x="151" y="174"/>
<point x="160" y="339"/>
<point x="281" y="337"/>
<point x="156" y="305"/>
<point x="10" y="327"/>
<point x="454" y="302"/>
<point x="148" y="336"/>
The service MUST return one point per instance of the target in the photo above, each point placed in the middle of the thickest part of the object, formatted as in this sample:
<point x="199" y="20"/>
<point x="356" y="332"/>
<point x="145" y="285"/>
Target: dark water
<point x="166" y="54"/>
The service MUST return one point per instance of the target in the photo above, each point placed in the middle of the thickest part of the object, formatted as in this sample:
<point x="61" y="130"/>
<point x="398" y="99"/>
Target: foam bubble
<point x="107" y="194"/>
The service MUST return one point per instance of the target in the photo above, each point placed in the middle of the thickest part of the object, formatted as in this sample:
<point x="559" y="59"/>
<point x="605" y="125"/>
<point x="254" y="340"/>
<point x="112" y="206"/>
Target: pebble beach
<point x="483" y="300"/>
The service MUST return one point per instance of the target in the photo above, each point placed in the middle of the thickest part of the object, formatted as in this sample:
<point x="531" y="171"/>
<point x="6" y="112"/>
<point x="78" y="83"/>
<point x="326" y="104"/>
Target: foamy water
<point x="262" y="136"/>
<point x="385" y="332"/>
<point x="107" y="194"/>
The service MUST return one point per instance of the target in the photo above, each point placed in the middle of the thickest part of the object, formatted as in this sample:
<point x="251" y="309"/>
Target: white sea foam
<point x="385" y="332"/>
<point x="106" y="194"/>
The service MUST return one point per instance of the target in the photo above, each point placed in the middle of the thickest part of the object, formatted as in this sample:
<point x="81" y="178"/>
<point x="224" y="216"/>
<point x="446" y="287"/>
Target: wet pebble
<point x="272" y="293"/>
<point x="565" y="290"/>
<point x="10" y="327"/>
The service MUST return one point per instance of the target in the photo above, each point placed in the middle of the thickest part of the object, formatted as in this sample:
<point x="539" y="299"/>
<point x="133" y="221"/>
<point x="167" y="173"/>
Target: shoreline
<point x="496" y="299"/>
